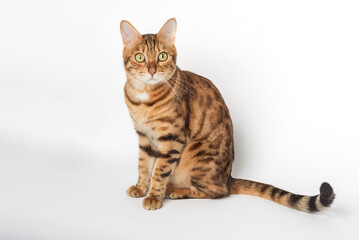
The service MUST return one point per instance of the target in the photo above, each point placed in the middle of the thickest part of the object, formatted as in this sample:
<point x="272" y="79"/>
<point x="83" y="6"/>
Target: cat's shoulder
<point x="203" y="85"/>
<point x="198" y="79"/>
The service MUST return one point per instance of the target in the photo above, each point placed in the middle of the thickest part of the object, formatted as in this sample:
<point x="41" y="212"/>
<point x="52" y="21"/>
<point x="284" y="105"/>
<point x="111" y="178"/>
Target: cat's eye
<point x="139" y="57"/>
<point x="162" y="57"/>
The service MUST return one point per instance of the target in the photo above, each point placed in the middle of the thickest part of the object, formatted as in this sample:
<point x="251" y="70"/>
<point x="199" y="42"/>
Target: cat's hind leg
<point x="183" y="193"/>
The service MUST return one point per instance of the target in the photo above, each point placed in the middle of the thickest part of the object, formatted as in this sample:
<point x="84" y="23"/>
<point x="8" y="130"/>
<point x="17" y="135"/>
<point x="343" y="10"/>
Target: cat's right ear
<point x="129" y="33"/>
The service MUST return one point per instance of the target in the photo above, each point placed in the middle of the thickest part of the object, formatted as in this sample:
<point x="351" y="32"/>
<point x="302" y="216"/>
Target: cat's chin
<point x="152" y="81"/>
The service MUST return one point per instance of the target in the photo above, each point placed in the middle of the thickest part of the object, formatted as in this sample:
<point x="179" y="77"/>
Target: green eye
<point x="139" y="57"/>
<point x="162" y="57"/>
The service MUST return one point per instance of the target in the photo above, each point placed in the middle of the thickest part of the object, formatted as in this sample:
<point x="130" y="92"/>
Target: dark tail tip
<point x="326" y="194"/>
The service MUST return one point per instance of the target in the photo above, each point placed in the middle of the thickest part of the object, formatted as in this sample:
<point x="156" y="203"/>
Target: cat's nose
<point x="152" y="71"/>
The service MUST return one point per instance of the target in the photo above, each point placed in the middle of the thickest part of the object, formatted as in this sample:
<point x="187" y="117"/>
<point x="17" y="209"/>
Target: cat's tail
<point x="303" y="203"/>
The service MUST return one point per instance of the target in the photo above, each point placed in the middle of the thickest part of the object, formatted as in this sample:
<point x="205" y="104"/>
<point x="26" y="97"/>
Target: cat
<point x="185" y="130"/>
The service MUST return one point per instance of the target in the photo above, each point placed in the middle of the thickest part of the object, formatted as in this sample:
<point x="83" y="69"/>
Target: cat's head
<point x="149" y="58"/>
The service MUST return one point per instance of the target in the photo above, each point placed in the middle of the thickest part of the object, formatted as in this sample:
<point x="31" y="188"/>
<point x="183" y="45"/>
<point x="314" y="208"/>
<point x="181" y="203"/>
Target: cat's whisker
<point x="177" y="80"/>
<point x="184" y="89"/>
<point x="171" y="88"/>
<point x="181" y="86"/>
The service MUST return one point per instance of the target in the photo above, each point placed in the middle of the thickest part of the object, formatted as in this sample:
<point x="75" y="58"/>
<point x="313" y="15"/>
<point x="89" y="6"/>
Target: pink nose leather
<point x="152" y="71"/>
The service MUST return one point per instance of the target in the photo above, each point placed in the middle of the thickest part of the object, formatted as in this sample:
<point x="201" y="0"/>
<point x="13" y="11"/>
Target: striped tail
<point x="303" y="203"/>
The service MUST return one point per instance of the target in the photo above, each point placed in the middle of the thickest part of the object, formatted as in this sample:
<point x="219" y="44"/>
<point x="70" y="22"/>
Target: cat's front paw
<point x="136" y="192"/>
<point x="152" y="203"/>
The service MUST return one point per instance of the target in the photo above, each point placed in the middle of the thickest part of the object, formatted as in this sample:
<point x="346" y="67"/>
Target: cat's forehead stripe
<point x="150" y="41"/>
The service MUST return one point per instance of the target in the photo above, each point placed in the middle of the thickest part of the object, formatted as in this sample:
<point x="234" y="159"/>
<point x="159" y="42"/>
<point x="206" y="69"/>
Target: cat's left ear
<point x="168" y="31"/>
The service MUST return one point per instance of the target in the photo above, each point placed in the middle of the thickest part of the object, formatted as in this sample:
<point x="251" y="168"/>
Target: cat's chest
<point x="146" y="111"/>
<point x="142" y="96"/>
<point x="141" y="117"/>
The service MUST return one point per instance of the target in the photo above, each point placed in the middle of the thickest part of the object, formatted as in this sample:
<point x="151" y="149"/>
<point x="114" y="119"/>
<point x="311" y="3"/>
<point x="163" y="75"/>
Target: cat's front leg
<point x="167" y="157"/>
<point x="146" y="162"/>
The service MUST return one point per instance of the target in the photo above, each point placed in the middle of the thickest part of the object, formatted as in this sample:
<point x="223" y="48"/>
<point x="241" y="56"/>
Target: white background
<point x="288" y="71"/>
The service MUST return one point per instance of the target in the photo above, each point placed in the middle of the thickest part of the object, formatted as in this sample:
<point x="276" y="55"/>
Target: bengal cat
<point x="185" y="130"/>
